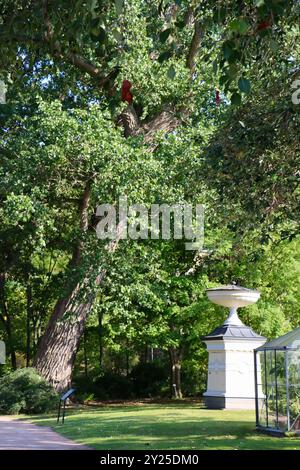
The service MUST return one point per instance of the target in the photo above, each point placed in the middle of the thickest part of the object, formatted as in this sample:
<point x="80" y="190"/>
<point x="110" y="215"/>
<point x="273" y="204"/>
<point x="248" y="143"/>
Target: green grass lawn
<point x="168" y="427"/>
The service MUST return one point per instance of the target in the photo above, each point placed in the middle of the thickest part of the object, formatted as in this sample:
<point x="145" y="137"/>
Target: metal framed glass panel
<point x="277" y="382"/>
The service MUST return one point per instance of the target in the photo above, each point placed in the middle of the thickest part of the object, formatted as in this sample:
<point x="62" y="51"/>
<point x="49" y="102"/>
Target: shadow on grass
<point x="164" y="427"/>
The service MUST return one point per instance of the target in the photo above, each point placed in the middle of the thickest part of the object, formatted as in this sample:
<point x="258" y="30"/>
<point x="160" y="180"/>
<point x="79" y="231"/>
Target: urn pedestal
<point x="231" y="372"/>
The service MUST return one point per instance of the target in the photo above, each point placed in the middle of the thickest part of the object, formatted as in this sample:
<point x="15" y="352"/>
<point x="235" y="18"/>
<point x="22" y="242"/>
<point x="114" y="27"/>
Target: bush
<point x="85" y="388"/>
<point x="24" y="391"/>
<point x="112" y="386"/>
<point x="194" y="376"/>
<point x="107" y="386"/>
<point x="150" y="379"/>
<point x="5" y="369"/>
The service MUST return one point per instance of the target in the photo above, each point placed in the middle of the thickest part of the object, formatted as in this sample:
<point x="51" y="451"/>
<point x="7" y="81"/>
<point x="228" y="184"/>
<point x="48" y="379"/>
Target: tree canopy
<point x="210" y="120"/>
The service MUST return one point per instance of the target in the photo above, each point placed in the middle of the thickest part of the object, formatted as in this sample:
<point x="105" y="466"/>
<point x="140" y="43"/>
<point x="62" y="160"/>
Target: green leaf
<point x="224" y="79"/>
<point x="94" y="23"/>
<point x="236" y="99"/>
<point x="180" y="24"/>
<point x="244" y="85"/>
<point x="239" y="26"/>
<point x="228" y="49"/>
<point x="92" y="6"/>
<point x="215" y="66"/>
<point x="98" y="34"/>
<point x="220" y="14"/>
<point x="232" y="70"/>
<point x="100" y="51"/>
<point x="274" y="46"/>
<point x="117" y="35"/>
<point x="171" y="72"/>
<point x="164" y="35"/>
<point x="234" y="25"/>
<point x="119" y="6"/>
<point x="164" y="56"/>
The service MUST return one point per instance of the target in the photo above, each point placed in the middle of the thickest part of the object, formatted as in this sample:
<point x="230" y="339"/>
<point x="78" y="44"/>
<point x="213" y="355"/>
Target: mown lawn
<point x="168" y="427"/>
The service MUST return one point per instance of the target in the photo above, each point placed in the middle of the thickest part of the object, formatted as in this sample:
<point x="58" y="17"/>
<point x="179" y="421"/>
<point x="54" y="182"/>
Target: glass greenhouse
<point x="277" y="383"/>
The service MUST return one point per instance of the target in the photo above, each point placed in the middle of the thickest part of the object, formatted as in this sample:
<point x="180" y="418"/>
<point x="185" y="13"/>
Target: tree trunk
<point x="85" y="354"/>
<point x="11" y="342"/>
<point x="175" y="359"/>
<point x="127" y="358"/>
<point x="36" y="327"/>
<point x="58" y="346"/>
<point x="57" y="349"/>
<point x="100" y="336"/>
<point x="28" y="323"/>
<point x="7" y="320"/>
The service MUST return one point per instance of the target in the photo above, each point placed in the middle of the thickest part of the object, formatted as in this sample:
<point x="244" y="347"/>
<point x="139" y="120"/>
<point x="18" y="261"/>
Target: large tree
<point x="64" y="163"/>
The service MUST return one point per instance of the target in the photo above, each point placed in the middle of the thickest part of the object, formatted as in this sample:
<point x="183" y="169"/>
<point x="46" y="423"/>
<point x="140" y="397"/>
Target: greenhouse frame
<point x="277" y="384"/>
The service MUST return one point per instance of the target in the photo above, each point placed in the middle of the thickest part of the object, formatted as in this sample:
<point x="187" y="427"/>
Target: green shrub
<point x="150" y="379"/>
<point x="24" y="391"/>
<point x="112" y="386"/>
<point x="5" y="369"/>
<point x="86" y="389"/>
<point x="193" y="377"/>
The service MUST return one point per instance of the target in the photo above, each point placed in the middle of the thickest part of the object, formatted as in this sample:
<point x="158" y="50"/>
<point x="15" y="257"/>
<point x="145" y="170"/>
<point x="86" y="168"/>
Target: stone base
<point x="229" y="403"/>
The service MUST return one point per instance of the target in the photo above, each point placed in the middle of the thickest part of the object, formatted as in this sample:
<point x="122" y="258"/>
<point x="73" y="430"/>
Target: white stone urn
<point x="233" y="297"/>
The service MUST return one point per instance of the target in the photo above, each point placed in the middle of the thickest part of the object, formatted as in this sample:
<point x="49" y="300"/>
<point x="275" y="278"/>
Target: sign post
<point x="63" y="400"/>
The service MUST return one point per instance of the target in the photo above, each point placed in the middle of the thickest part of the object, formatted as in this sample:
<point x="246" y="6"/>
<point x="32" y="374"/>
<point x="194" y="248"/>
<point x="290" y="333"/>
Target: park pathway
<point x="21" y="435"/>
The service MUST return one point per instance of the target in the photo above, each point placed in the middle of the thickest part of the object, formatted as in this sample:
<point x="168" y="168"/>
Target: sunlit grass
<point x="168" y="427"/>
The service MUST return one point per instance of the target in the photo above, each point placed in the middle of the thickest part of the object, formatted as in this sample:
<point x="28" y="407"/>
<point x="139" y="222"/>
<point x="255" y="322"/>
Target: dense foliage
<point x="212" y="122"/>
<point x="24" y="391"/>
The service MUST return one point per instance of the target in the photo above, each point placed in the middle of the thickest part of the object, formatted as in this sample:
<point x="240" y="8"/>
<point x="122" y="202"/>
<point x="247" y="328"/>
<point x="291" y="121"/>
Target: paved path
<point x="21" y="435"/>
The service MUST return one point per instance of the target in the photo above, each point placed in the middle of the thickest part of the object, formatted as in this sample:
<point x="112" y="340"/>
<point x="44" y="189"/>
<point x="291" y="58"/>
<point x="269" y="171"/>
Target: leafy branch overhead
<point x="93" y="36"/>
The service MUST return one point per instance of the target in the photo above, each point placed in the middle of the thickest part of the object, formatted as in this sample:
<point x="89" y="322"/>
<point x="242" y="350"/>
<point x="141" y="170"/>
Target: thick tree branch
<point x="194" y="47"/>
<point x="129" y="120"/>
<point x="85" y="66"/>
<point x="166" y="121"/>
<point x="189" y="16"/>
<point x="72" y="58"/>
<point x="83" y="215"/>
<point x="49" y="28"/>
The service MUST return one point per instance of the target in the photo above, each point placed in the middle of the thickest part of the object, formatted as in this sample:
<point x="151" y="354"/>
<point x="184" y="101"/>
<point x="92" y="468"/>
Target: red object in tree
<point x="125" y="91"/>
<point x="262" y="25"/>
<point x="218" y="99"/>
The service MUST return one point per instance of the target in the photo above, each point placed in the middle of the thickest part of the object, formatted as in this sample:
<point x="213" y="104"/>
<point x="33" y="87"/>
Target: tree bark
<point x="194" y="46"/>
<point x="85" y="358"/>
<point x="175" y="359"/>
<point x="6" y="319"/>
<point x="100" y="336"/>
<point x="28" y="323"/>
<point x="57" y="349"/>
<point x="58" y="346"/>
<point x="13" y="356"/>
